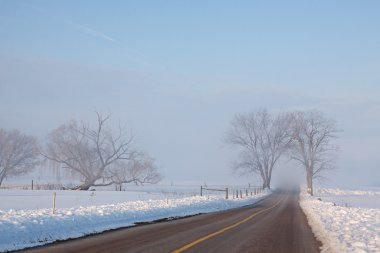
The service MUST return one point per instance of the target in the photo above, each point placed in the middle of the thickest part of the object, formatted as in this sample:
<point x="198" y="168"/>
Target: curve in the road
<point x="204" y="238"/>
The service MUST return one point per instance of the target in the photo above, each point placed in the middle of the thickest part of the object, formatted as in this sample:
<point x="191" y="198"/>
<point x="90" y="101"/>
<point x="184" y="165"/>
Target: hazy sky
<point x="177" y="71"/>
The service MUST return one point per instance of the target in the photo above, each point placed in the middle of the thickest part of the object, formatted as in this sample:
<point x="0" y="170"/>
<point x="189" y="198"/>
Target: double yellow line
<point x="204" y="238"/>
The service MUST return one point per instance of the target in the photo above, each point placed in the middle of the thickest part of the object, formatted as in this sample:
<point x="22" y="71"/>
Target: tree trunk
<point x="266" y="183"/>
<point x="2" y="176"/>
<point x="311" y="186"/>
<point x="86" y="185"/>
<point x="309" y="180"/>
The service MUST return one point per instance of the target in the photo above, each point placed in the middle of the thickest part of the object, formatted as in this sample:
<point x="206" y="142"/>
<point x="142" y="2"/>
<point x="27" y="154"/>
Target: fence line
<point x="254" y="191"/>
<point x="230" y="191"/>
<point x="68" y="199"/>
<point x="210" y="189"/>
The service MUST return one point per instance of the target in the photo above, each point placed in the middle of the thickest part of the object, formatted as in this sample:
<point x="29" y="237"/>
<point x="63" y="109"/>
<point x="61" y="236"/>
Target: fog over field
<point x="176" y="74"/>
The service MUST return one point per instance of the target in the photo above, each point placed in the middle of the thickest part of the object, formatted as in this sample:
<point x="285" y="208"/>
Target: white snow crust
<point x="343" y="221"/>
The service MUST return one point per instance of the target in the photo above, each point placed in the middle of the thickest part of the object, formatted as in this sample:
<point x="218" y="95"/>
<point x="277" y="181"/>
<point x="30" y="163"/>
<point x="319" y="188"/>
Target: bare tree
<point x="312" y="147"/>
<point x="140" y="169"/>
<point x="89" y="152"/>
<point x="262" y="139"/>
<point x="18" y="153"/>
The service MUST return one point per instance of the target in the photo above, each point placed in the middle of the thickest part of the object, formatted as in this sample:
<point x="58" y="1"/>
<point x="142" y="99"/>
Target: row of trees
<point x="263" y="138"/>
<point x="97" y="154"/>
<point x="103" y="157"/>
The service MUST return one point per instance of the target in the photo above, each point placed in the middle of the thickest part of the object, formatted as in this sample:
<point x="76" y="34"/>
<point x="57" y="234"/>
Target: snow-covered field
<point x="26" y="217"/>
<point x="344" y="220"/>
<point x="26" y="199"/>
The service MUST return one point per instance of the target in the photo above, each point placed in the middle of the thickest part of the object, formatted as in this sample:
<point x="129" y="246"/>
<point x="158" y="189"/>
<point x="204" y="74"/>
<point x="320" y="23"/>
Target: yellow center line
<point x="204" y="238"/>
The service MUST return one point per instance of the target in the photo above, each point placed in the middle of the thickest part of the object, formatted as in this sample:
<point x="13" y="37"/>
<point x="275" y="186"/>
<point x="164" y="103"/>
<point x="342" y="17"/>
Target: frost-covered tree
<point x="262" y="139"/>
<point x="90" y="152"/>
<point x="312" y="147"/>
<point x="18" y="153"/>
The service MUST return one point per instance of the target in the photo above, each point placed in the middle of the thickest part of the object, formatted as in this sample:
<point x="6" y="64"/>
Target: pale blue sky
<point x="177" y="71"/>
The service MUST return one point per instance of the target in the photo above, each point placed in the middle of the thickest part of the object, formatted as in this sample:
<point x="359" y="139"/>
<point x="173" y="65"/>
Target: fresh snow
<point x="24" y="199"/>
<point x="344" y="220"/>
<point x="33" y="226"/>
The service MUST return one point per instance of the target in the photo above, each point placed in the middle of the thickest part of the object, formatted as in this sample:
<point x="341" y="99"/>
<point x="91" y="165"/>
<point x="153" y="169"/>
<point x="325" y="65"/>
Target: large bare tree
<point x="18" y="153"/>
<point x="262" y="138"/>
<point x="90" y="152"/>
<point x="312" y="146"/>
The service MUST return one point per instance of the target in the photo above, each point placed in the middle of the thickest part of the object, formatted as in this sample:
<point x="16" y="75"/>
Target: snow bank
<point x="27" y="228"/>
<point x="343" y="228"/>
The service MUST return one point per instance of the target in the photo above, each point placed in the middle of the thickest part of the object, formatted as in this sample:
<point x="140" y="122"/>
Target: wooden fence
<point x="236" y="193"/>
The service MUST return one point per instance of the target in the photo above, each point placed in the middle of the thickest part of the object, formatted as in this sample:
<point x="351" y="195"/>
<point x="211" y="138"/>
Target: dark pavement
<point x="273" y="225"/>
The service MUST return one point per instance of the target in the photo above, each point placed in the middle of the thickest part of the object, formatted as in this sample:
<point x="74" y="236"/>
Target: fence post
<point x="241" y="195"/>
<point x="246" y="192"/>
<point x="226" y="193"/>
<point x="32" y="185"/>
<point x="201" y="190"/>
<point x="54" y="197"/>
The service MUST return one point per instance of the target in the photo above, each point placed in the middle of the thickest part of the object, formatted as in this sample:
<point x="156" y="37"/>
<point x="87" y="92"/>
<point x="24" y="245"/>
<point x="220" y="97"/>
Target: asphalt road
<point x="273" y="225"/>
